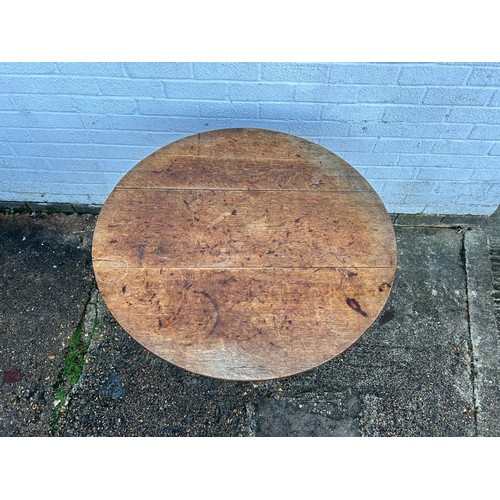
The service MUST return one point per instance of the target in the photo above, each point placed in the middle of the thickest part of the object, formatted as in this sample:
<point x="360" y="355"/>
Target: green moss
<point x="71" y="371"/>
<point x="75" y="359"/>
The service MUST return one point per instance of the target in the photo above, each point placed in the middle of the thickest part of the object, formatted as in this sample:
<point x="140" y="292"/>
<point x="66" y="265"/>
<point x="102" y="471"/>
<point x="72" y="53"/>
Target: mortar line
<point x="470" y="345"/>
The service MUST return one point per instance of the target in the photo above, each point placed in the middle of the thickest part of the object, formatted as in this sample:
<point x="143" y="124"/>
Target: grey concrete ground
<point x="427" y="367"/>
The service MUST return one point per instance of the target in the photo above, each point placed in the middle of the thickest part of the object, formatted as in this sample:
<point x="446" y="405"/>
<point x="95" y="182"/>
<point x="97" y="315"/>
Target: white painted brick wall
<point x="426" y="136"/>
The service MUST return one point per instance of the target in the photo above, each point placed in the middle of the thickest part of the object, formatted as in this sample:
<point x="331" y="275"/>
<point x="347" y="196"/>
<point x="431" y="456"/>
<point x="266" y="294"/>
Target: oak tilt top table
<point x="244" y="254"/>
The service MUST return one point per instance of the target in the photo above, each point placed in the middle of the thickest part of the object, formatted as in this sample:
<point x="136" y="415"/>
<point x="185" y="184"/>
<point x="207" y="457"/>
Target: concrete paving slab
<point x="45" y="279"/>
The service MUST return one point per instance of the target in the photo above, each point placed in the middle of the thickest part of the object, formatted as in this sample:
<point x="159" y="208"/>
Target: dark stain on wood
<point x="226" y="281"/>
<point x="169" y="167"/>
<point x="160" y="250"/>
<point x="383" y="286"/>
<point x="354" y="305"/>
<point x="140" y="251"/>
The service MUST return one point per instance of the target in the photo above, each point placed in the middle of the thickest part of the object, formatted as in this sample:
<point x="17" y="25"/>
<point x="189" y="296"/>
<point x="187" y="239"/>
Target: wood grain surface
<point x="244" y="254"/>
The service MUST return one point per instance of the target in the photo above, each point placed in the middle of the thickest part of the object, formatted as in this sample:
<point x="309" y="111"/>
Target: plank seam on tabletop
<point x="118" y="188"/>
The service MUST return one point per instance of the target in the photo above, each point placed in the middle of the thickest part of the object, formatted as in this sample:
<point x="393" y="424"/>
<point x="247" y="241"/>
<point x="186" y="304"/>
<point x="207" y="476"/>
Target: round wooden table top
<point x="244" y="254"/>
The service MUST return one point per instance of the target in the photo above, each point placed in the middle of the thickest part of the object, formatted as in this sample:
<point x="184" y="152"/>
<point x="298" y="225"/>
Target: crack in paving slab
<point x="74" y="361"/>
